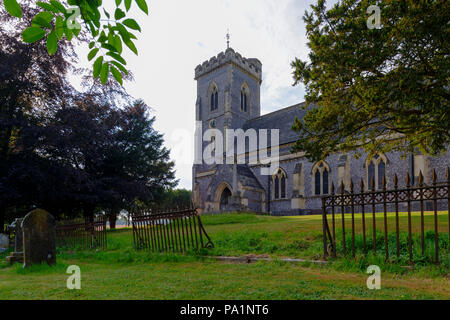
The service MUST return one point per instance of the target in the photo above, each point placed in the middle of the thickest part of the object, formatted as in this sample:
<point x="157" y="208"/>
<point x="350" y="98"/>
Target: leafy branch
<point x="57" y="21"/>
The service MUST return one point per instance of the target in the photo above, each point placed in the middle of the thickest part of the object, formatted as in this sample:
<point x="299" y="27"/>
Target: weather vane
<point x="228" y="38"/>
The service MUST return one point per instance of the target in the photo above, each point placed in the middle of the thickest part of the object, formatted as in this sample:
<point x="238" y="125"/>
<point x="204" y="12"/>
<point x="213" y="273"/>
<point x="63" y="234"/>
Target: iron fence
<point x="82" y="234"/>
<point x="169" y="230"/>
<point x="369" y="203"/>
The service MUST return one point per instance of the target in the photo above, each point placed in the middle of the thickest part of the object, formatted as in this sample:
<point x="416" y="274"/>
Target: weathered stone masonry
<point x="223" y="187"/>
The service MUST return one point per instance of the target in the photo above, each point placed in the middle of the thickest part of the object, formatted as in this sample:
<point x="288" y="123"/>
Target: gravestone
<point x="4" y="242"/>
<point x="17" y="255"/>
<point x="39" y="243"/>
<point x="16" y="228"/>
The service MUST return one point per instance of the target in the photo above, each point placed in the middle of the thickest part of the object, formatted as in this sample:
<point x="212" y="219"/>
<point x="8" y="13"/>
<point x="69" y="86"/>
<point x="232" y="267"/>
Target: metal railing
<point x="369" y="203"/>
<point x="82" y="234"/>
<point x="176" y="230"/>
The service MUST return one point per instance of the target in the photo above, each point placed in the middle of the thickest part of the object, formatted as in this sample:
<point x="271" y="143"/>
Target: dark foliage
<point x="70" y="152"/>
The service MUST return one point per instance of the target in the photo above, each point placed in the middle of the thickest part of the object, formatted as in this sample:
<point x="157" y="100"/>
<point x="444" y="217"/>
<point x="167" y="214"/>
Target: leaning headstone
<point x="39" y="244"/>
<point x="4" y="242"/>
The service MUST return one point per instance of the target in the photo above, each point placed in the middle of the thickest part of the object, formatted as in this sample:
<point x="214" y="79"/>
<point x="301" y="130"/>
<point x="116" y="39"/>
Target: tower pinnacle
<point x="228" y="38"/>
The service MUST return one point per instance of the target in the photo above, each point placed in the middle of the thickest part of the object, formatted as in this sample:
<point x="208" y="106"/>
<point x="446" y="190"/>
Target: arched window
<point x="376" y="170"/>
<point x="244" y="98"/>
<point x="214" y="98"/>
<point x="279" y="184"/>
<point x="321" y="178"/>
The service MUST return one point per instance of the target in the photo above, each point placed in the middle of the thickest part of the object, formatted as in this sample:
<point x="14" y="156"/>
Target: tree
<point x="377" y="89"/>
<point x="31" y="84"/>
<point x="111" y="157"/>
<point x="67" y="151"/>
<point x="108" y="32"/>
<point x="180" y="198"/>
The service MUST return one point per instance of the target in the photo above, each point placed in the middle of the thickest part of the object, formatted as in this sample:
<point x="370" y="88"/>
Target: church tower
<point x="228" y="95"/>
<point x="228" y="91"/>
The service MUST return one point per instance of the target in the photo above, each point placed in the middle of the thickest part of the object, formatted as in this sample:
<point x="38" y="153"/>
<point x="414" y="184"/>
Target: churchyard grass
<point x="120" y="272"/>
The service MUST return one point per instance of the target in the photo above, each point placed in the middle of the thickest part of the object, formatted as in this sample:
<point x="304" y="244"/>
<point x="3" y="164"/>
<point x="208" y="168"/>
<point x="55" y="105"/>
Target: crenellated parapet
<point x="250" y="65"/>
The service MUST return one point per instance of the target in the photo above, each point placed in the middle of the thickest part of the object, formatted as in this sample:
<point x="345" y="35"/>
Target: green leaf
<point x="119" y="14"/>
<point x="117" y="57"/>
<point x="47" y="6"/>
<point x="59" y="27"/>
<point x="104" y="73"/>
<point x="52" y="43"/>
<point x="123" y="32"/>
<point x="13" y="8"/>
<point x="106" y="14"/>
<point x="59" y="6"/>
<point x="120" y="66"/>
<point x="68" y="32"/>
<point x="43" y="19"/>
<point x="118" y="43"/>
<point x="92" y="54"/>
<point x="132" y="24"/>
<point x="109" y="47"/>
<point x="117" y="75"/>
<point x="91" y="45"/>
<point x="143" y="5"/>
<point x="98" y="66"/>
<point x="131" y="45"/>
<point x="33" y="34"/>
<point x="118" y="2"/>
<point x="127" y="5"/>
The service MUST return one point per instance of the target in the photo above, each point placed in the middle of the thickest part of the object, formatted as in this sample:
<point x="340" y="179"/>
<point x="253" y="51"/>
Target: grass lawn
<point x="123" y="273"/>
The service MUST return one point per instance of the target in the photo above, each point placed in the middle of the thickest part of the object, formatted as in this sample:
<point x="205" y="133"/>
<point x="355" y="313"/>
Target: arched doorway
<point x="225" y="199"/>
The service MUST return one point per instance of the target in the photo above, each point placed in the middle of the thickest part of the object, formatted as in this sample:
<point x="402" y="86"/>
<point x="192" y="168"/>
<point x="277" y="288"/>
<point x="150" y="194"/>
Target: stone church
<point x="228" y="97"/>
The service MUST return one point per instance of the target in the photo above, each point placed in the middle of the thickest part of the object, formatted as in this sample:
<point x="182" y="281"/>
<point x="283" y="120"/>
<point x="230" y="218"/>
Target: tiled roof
<point x="282" y="119"/>
<point x="247" y="178"/>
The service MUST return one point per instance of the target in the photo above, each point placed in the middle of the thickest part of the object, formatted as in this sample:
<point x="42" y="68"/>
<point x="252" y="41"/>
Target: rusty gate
<point x="176" y="230"/>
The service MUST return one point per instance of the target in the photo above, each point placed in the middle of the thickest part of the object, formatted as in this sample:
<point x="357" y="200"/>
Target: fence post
<point x="333" y="203"/>
<point x="386" y="248"/>
<point x="408" y="187"/>
<point x="397" y="221"/>
<point x="324" y="221"/>
<point x="361" y="184"/>
<point x="422" y="218"/>
<point x="343" y="217"/>
<point x="374" y="222"/>
<point x="353" y="216"/>
<point x="436" y="230"/>
<point x="448" y="203"/>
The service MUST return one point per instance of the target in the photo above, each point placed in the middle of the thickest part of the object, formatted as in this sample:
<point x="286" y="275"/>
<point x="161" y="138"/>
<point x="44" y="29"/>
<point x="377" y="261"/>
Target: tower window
<point x="214" y="99"/>
<point x="244" y="98"/>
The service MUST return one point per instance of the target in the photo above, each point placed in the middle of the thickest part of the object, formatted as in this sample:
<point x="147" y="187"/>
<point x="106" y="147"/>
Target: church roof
<point x="281" y="119"/>
<point x="247" y="178"/>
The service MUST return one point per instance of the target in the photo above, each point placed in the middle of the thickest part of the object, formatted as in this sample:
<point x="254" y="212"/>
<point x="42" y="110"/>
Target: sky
<point x="178" y="35"/>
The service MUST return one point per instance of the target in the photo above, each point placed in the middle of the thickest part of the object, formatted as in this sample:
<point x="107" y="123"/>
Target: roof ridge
<point x="279" y="111"/>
